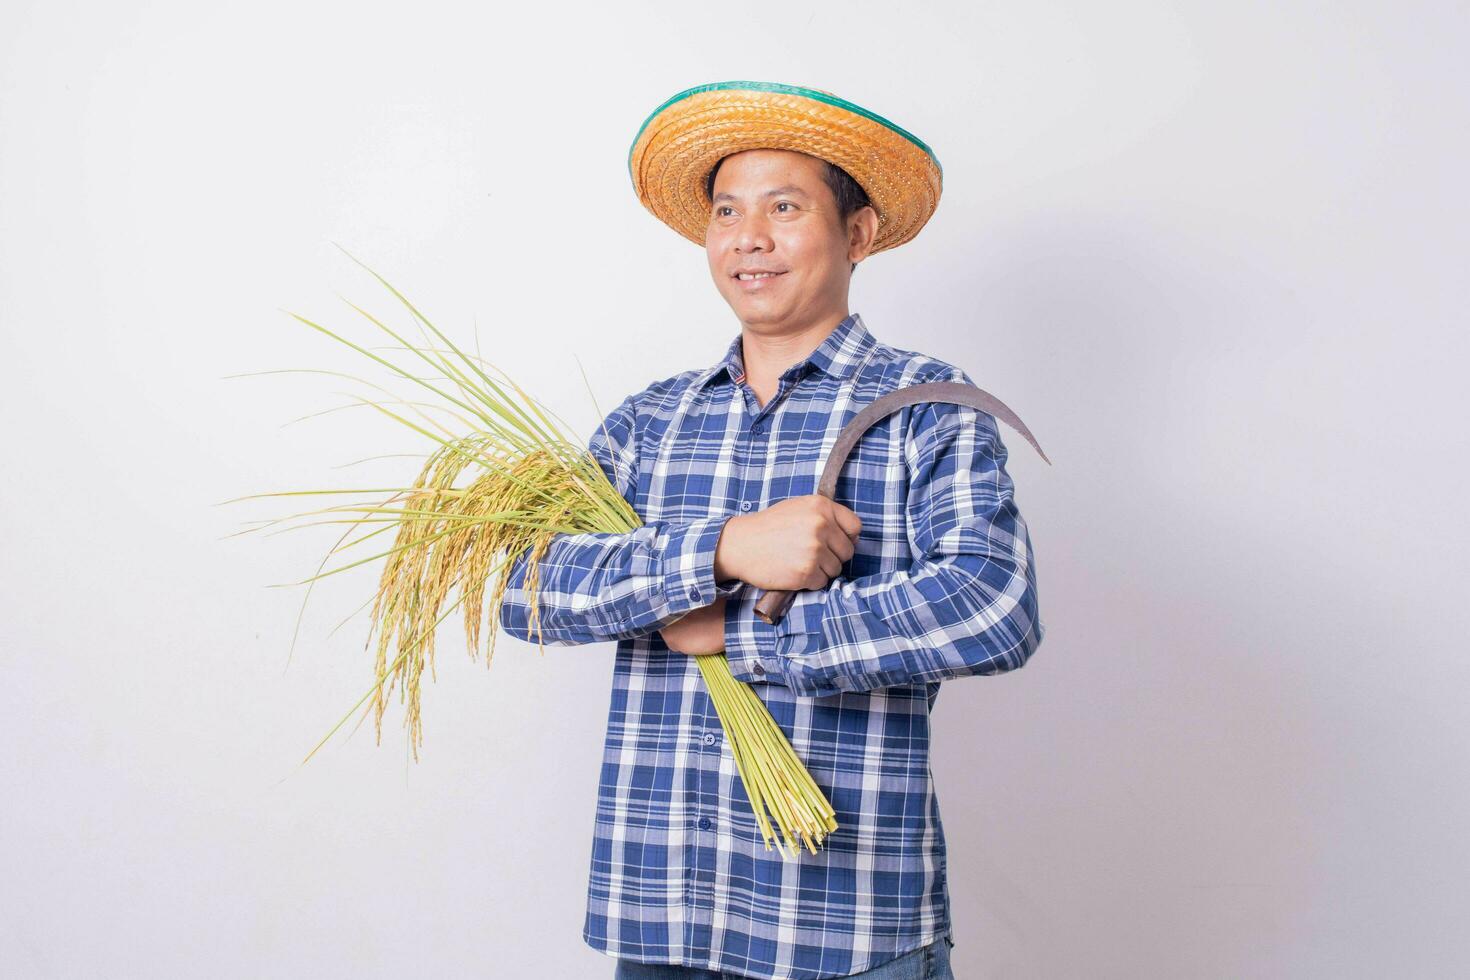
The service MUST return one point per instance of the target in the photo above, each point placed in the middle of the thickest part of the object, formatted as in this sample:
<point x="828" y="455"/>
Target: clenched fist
<point x="799" y="543"/>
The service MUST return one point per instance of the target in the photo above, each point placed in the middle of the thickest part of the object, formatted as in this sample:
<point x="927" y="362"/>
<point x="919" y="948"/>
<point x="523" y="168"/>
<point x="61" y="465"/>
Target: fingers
<point x="839" y="543"/>
<point x="837" y="551"/>
<point x="847" y="519"/>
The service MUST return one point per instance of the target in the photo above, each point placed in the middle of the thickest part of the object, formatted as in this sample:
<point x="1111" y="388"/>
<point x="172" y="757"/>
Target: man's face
<point x="773" y="211"/>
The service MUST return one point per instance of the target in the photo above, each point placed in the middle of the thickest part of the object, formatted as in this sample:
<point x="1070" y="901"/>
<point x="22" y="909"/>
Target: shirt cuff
<point x="800" y="645"/>
<point x="799" y="632"/>
<point x="687" y="564"/>
<point x="750" y="642"/>
<point x="759" y="652"/>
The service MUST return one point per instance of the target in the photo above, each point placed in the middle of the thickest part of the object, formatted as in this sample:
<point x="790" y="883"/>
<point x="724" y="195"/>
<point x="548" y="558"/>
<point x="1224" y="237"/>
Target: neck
<point x="766" y="355"/>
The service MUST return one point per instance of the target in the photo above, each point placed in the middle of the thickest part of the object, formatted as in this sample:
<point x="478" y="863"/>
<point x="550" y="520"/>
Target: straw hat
<point x="678" y="145"/>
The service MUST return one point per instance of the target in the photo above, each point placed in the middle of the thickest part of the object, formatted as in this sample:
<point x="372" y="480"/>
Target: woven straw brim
<point x="683" y="139"/>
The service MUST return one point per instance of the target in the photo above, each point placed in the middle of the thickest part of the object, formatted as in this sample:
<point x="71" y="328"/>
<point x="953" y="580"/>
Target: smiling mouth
<point x="756" y="277"/>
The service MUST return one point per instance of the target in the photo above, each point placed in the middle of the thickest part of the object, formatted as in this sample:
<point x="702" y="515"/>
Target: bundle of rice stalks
<point x="502" y="487"/>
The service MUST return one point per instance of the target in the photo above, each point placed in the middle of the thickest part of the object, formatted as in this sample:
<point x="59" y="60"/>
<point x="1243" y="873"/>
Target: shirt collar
<point x="836" y="355"/>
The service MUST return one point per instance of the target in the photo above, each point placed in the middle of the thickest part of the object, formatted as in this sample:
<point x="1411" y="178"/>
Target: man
<point x="920" y="570"/>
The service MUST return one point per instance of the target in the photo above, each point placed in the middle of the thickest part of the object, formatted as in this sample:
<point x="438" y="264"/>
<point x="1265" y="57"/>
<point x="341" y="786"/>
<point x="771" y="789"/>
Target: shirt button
<point x="757" y="428"/>
<point x="704" y="823"/>
<point x="746" y="505"/>
<point x="758" y="669"/>
<point x="694" y="594"/>
<point x="709" y="738"/>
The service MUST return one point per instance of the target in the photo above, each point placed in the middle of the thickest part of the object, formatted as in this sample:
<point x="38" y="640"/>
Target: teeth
<point x="744" y="277"/>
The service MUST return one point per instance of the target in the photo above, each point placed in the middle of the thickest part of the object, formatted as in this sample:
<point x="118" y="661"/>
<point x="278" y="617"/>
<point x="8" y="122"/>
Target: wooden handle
<point x="772" y="606"/>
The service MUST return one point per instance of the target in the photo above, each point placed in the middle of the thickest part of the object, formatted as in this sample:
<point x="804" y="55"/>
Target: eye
<point x="779" y="203"/>
<point x="718" y="210"/>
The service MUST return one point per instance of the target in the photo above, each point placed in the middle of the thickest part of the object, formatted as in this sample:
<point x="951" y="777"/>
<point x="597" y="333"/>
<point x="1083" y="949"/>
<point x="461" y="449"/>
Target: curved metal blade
<point x="773" y="605"/>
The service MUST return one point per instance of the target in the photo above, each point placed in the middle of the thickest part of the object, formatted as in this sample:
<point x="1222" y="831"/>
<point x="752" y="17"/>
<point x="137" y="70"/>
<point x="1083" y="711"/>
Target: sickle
<point x="772" y="606"/>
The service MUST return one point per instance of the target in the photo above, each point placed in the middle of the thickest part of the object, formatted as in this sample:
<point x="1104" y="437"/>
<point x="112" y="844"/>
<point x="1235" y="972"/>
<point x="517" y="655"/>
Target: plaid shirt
<point x="942" y="585"/>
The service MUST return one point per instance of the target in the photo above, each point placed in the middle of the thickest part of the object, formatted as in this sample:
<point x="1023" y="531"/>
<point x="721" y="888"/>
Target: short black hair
<point x="849" y="193"/>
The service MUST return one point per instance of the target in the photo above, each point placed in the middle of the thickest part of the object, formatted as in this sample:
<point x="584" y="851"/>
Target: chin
<point x="756" y="313"/>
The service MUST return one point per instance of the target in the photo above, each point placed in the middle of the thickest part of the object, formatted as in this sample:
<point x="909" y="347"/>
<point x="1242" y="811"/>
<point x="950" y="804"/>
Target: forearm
<point x="968" y="614"/>
<point x="596" y="587"/>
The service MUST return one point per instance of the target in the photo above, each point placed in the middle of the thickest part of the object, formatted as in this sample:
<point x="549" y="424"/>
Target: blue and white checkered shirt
<point x="942" y="585"/>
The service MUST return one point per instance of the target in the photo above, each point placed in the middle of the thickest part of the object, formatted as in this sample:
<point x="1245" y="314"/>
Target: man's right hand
<point x="799" y="543"/>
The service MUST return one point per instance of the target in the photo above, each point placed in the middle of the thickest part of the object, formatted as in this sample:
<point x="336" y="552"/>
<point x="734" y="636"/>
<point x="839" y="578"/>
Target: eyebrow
<point x="788" y="189"/>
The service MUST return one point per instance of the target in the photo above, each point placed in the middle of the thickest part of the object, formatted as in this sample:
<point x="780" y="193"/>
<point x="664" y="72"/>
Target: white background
<point x="1213" y="254"/>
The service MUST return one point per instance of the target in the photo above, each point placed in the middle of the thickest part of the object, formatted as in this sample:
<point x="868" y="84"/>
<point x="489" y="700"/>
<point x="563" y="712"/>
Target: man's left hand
<point x="699" y="632"/>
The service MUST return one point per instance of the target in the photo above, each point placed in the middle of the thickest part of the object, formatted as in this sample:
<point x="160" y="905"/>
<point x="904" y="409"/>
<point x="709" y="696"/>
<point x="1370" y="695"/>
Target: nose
<point x="753" y="235"/>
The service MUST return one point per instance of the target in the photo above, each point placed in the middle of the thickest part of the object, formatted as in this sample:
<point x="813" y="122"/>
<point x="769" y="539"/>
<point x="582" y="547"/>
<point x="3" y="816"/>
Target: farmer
<point x="920" y="570"/>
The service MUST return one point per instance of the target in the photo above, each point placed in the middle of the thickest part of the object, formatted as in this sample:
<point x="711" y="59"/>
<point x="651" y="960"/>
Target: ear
<point x="862" y="229"/>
